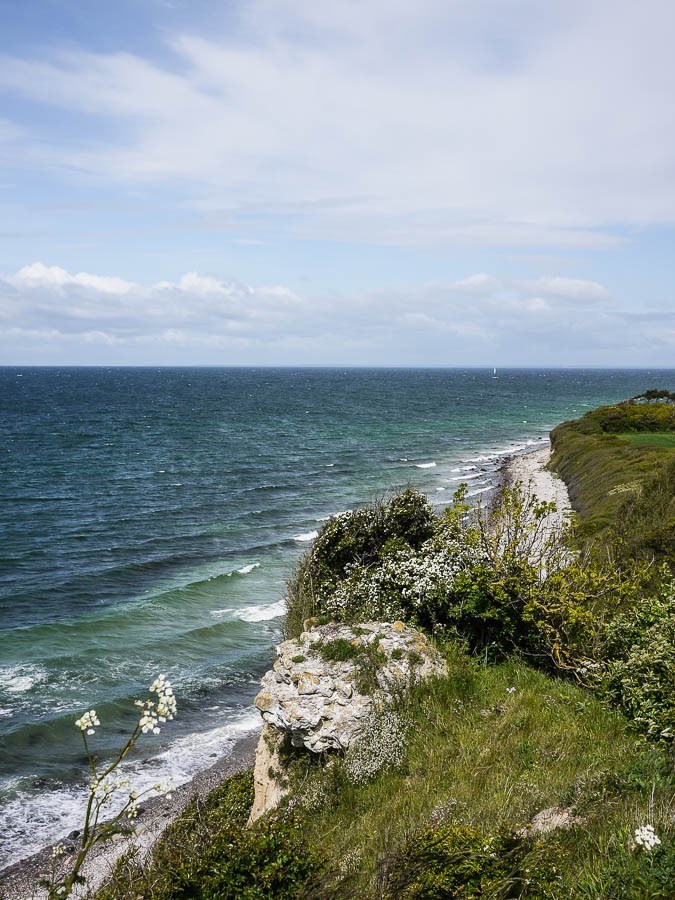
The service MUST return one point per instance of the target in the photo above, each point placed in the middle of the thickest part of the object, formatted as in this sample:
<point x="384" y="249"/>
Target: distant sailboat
<point x="494" y="373"/>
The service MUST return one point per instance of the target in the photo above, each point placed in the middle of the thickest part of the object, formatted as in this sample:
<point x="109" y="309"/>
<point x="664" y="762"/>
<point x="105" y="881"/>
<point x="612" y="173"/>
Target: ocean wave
<point x="20" y="678"/>
<point x="262" y="613"/>
<point x="29" y="820"/>
<point x="429" y="465"/>
<point x="307" y="536"/>
<point x="246" y="569"/>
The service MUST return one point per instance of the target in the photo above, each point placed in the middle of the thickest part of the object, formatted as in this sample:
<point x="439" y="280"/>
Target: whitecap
<point x="307" y="536"/>
<point x="429" y="465"/>
<point x="262" y="613"/>
<point x="249" y="568"/>
<point x="21" y="678"/>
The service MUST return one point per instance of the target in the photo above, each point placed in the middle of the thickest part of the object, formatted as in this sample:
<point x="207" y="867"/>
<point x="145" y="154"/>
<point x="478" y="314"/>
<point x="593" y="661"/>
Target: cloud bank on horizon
<point x="364" y="158"/>
<point x="202" y="318"/>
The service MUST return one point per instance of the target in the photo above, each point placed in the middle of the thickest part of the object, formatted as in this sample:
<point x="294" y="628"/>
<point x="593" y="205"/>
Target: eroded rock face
<point x="320" y="701"/>
<point x="267" y="782"/>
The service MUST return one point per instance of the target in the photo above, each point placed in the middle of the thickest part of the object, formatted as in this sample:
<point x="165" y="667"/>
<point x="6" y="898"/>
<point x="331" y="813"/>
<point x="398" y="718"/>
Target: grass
<point x="622" y="485"/>
<point x="479" y="754"/>
<point x="656" y="439"/>
<point x="490" y="758"/>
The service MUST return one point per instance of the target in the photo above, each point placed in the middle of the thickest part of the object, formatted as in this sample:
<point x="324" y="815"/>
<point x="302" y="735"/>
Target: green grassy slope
<point x="488" y="747"/>
<point x="621" y="482"/>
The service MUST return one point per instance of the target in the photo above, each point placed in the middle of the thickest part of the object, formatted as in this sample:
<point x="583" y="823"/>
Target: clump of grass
<point x="338" y="650"/>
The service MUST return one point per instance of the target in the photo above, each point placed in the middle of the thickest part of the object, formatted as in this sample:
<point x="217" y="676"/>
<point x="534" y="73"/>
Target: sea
<point x="150" y="517"/>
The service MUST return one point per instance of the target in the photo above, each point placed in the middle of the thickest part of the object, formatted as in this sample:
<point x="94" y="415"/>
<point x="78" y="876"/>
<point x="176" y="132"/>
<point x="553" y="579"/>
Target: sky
<point x="292" y="182"/>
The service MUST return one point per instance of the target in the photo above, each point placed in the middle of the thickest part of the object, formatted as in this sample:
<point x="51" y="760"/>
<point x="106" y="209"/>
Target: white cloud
<point x="204" y="319"/>
<point x="514" y="123"/>
<point x="574" y="289"/>
<point x="39" y="275"/>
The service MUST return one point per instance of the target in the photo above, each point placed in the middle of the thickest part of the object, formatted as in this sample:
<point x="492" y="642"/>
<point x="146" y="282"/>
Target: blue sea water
<point x="150" y="517"/>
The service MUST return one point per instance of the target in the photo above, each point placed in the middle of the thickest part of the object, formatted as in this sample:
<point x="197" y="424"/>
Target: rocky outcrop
<point x="325" y="684"/>
<point x="549" y="820"/>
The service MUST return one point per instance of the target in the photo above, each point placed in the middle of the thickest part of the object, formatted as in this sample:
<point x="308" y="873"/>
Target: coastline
<point x="20" y="880"/>
<point x="529" y="469"/>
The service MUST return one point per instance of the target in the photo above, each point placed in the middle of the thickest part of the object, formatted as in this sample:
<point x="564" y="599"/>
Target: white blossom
<point x="159" y="711"/>
<point x="646" y="837"/>
<point x="87" y="721"/>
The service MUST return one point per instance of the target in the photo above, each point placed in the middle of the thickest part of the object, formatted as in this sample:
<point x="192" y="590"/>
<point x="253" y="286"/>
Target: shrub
<point x="209" y="852"/>
<point x="461" y="861"/>
<point x="380" y="746"/>
<point x="640" y="663"/>
<point x="354" y="538"/>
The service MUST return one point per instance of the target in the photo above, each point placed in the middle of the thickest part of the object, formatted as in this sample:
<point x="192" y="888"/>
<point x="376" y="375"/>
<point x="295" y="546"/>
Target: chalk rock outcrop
<point x="325" y="683"/>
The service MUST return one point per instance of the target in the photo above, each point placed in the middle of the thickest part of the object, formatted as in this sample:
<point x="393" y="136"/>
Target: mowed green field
<point x="650" y="439"/>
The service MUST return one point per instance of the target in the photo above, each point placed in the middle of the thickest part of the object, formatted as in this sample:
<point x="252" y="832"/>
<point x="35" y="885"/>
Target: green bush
<point x="639" y="663"/>
<point x="357" y="537"/>
<point x="210" y="853"/>
<point x="461" y="861"/>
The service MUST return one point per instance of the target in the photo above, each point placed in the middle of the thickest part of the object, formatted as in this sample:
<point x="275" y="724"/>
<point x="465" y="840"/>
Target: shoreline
<point x="19" y="881"/>
<point x="529" y="469"/>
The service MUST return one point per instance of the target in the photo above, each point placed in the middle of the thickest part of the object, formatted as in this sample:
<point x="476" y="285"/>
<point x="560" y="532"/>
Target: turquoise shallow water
<point x="150" y="517"/>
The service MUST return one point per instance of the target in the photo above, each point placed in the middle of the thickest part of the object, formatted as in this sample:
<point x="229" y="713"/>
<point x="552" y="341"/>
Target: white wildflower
<point x="646" y="837"/>
<point x="163" y="710"/>
<point x="87" y="721"/>
<point x="58" y="850"/>
<point x="510" y="690"/>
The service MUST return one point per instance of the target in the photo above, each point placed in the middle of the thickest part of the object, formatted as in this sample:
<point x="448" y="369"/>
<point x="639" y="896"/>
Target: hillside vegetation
<point x="559" y="697"/>
<point x="619" y="466"/>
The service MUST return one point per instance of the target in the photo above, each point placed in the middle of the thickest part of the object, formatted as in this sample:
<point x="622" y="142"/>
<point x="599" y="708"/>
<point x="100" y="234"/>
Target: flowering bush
<point x="380" y="746"/>
<point x="106" y="782"/>
<point x="357" y="537"/>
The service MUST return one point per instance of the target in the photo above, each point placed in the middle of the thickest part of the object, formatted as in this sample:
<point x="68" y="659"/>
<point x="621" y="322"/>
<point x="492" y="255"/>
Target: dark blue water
<point x="149" y="519"/>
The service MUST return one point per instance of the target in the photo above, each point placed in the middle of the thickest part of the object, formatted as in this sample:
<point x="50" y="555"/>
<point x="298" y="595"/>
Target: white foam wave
<point x="429" y="465"/>
<point x="249" y="568"/>
<point x="467" y="477"/>
<point x="307" y="536"/>
<point x="262" y="613"/>
<point x="21" y="678"/>
<point x="29" y="821"/>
